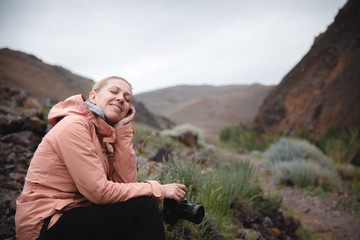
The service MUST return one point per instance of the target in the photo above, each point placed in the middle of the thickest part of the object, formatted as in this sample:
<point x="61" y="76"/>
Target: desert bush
<point x="356" y="189"/>
<point x="267" y="204"/>
<point x="240" y="137"/>
<point x="343" y="150"/>
<point x="185" y="171"/>
<point x="217" y="189"/>
<point x="348" y="172"/>
<point x="223" y="185"/>
<point x="298" y="162"/>
<point x="342" y="147"/>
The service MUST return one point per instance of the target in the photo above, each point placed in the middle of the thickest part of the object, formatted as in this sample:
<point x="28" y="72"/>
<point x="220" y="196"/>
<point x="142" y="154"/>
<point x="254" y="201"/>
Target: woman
<point x="81" y="183"/>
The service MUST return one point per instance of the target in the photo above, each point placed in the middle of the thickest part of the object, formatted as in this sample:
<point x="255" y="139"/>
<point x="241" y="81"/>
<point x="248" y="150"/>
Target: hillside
<point x="323" y="88"/>
<point x="209" y="108"/>
<point x="21" y="71"/>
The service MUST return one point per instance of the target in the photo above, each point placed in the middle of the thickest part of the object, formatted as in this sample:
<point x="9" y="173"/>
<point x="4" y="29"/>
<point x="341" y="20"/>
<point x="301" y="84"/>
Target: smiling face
<point x="114" y="98"/>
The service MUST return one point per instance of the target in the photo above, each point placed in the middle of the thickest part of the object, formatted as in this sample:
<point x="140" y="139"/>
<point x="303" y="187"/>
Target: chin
<point x="112" y="120"/>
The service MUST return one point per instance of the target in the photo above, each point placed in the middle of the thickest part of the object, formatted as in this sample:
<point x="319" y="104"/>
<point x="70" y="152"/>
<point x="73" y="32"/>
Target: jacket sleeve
<point x="73" y="142"/>
<point x="123" y="164"/>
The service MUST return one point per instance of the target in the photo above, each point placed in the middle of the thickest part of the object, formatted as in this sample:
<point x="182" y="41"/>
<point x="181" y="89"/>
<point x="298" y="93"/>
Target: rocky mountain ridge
<point x="322" y="90"/>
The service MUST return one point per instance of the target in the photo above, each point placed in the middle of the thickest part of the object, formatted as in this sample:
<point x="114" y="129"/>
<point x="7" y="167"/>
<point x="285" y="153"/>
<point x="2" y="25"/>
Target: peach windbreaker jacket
<point x="81" y="161"/>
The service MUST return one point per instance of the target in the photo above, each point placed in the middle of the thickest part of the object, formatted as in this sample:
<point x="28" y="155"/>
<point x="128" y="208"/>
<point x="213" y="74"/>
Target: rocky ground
<point x="22" y="126"/>
<point x="323" y="216"/>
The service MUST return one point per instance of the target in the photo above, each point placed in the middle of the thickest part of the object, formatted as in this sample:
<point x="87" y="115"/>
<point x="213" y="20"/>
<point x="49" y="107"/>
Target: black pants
<point x="137" y="218"/>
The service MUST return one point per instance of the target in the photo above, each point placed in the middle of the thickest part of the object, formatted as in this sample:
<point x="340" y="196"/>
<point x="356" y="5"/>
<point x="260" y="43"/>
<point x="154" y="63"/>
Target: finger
<point x="183" y="187"/>
<point x="183" y="193"/>
<point x="133" y="108"/>
<point x="179" y="199"/>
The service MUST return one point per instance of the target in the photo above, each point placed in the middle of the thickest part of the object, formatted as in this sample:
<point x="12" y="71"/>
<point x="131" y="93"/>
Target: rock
<point x="267" y="222"/>
<point x="34" y="124"/>
<point x="189" y="139"/>
<point x="13" y="204"/>
<point x="4" y="230"/>
<point x="245" y="215"/>
<point x="287" y="224"/>
<point x="144" y="116"/>
<point x="17" y="176"/>
<point x="278" y="226"/>
<point x="162" y="154"/>
<point x="31" y="103"/>
<point x="323" y="88"/>
<point x="24" y="138"/>
<point x="9" y="124"/>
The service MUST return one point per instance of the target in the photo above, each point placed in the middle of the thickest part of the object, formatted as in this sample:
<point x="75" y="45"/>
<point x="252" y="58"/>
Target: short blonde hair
<point x="100" y="84"/>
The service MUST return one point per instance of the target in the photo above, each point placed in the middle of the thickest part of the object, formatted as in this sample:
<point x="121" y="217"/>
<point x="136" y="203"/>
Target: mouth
<point x="116" y="107"/>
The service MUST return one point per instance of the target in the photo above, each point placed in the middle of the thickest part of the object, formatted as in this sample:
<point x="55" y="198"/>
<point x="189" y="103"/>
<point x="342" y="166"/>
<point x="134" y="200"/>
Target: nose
<point x="120" y="98"/>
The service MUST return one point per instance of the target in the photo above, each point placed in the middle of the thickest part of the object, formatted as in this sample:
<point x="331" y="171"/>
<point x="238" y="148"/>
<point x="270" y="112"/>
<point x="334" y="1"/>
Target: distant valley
<point x="209" y="108"/>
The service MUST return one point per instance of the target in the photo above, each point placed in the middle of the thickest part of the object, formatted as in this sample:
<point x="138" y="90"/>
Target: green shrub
<point x="239" y="137"/>
<point x="349" y="172"/>
<point x="222" y="186"/>
<point x="352" y="203"/>
<point x="267" y="204"/>
<point x="186" y="172"/>
<point x="356" y="189"/>
<point x="298" y="162"/>
<point x="217" y="189"/>
<point x="287" y="149"/>
<point x="343" y="150"/>
<point x="342" y="147"/>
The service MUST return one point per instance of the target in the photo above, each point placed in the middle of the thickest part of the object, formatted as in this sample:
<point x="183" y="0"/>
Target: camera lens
<point x="198" y="214"/>
<point x="192" y="213"/>
<point x="173" y="211"/>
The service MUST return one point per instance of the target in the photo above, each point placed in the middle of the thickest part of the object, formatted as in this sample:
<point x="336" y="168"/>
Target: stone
<point x="24" y="138"/>
<point x="162" y="154"/>
<point x="34" y="124"/>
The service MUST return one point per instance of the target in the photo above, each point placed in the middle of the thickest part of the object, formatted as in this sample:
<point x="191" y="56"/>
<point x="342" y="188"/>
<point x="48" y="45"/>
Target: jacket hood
<point x="74" y="105"/>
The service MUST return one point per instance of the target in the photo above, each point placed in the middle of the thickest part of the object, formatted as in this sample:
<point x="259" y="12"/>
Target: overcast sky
<point x="161" y="43"/>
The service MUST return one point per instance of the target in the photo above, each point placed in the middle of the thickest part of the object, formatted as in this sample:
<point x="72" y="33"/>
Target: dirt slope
<point x="23" y="71"/>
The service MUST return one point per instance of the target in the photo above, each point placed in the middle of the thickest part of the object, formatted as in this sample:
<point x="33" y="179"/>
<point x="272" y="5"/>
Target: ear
<point x="92" y="98"/>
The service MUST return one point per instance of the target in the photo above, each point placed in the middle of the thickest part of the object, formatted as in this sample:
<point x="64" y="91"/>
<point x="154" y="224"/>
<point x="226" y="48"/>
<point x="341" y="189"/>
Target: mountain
<point x="21" y="71"/>
<point x="209" y="108"/>
<point x="323" y="89"/>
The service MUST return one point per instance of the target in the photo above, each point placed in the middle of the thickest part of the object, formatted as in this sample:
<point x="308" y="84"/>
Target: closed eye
<point x="128" y="99"/>
<point x="114" y="90"/>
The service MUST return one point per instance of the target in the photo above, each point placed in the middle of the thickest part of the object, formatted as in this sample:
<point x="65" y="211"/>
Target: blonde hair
<point x="100" y="84"/>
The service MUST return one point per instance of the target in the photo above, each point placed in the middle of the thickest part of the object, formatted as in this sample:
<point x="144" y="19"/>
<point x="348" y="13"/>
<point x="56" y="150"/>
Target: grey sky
<point x="160" y="43"/>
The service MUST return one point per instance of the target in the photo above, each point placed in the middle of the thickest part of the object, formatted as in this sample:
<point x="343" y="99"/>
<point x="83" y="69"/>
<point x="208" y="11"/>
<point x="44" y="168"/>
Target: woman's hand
<point x="175" y="191"/>
<point x="129" y="117"/>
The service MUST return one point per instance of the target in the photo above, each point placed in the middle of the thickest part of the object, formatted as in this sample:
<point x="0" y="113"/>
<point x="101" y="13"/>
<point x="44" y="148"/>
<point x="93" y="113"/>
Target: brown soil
<point x="323" y="217"/>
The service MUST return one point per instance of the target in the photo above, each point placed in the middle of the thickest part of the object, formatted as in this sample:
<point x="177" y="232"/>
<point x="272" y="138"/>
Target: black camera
<point x="173" y="211"/>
